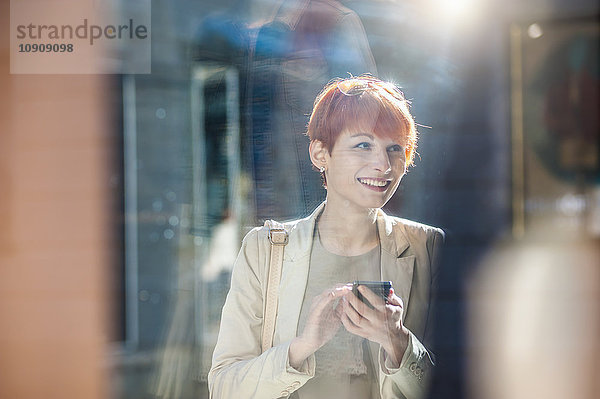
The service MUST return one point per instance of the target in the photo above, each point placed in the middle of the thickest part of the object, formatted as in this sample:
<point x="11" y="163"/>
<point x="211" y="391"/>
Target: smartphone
<point x="381" y="288"/>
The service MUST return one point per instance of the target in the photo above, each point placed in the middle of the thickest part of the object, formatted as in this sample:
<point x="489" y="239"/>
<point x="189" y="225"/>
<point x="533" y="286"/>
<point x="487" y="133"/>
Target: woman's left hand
<point x="382" y="324"/>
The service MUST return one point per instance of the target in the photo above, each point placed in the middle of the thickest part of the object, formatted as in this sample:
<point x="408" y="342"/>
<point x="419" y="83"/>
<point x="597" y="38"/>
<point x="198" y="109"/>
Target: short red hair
<point x="365" y="103"/>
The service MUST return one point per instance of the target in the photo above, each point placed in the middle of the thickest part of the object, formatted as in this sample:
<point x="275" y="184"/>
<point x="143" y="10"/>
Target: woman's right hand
<point x="323" y="322"/>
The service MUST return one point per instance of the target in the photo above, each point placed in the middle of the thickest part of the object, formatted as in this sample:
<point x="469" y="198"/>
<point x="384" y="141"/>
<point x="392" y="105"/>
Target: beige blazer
<point x="239" y="369"/>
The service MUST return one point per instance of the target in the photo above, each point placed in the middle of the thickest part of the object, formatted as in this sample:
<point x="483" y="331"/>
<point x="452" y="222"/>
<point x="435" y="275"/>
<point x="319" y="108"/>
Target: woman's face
<point x="364" y="169"/>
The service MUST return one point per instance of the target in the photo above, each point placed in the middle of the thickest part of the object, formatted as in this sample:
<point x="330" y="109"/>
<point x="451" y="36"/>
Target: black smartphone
<point x="381" y="288"/>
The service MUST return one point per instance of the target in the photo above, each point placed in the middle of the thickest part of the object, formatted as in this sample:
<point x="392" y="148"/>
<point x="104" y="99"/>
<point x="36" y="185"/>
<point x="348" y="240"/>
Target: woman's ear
<point x="318" y="154"/>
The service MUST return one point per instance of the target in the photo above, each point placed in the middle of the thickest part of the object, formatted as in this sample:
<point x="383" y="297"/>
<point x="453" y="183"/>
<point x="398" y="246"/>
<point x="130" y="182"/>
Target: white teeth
<point x="372" y="182"/>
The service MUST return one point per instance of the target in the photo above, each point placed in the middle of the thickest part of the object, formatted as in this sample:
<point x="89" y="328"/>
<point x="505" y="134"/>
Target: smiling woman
<point x="363" y="104"/>
<point x="326" y="341"/>
<point x="364" y="159"/>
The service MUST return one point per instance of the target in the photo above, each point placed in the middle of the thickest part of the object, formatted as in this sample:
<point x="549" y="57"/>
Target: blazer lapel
<point x="294" y="277"/>
<point x="291" y="295"/>
<point x="396" y="263"/>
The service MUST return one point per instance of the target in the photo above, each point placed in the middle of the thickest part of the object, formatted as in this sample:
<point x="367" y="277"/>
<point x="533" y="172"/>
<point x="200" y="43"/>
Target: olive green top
<point x="343" y="368"/>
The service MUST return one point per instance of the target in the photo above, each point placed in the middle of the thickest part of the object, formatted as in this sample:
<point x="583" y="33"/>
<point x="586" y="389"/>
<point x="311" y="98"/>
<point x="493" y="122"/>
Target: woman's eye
<point x="363" y="145"/>
<point x="395" y="148"/>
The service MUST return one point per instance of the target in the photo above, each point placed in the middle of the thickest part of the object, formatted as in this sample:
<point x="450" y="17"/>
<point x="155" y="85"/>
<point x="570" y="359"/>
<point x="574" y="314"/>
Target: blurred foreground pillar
<point x="54" y="150"/>
<point x="534" y="320"/>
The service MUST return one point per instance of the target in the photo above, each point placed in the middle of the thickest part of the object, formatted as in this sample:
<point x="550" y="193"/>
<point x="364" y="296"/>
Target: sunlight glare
<point x="455" y="10"/>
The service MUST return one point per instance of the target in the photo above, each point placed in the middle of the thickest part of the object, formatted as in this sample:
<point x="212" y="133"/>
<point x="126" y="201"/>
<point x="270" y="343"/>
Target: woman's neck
<point x="347" y="231"/>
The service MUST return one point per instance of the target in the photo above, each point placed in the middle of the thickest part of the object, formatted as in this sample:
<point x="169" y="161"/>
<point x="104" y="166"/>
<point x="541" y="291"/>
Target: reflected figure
<point x="176" y="373"/>
<point x="307" y="44"/>
<point x="326" y="341"/>
<point x="223" y="247"/>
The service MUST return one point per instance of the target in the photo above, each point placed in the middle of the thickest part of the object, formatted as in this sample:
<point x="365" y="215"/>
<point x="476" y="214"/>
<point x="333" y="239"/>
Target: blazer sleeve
<point x="239" y="369"/>
<point x="411" y="380"/>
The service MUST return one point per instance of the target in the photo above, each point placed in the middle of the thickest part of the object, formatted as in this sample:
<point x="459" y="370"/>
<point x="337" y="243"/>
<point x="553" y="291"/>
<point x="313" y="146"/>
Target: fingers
<point x="358" y="306"/>
<point x="341" y="289"/>
<point x="321" y="301"/>
<point x="395" y="300"/>
<point x="338" y="311"/>
<point x="351" y="327"/>
<point x="373" y="299"/>
<point x="355" y="322"/>
<point x="334" y="292"/>
<point x="351" y="313"/>
<point x="378" y="324"/>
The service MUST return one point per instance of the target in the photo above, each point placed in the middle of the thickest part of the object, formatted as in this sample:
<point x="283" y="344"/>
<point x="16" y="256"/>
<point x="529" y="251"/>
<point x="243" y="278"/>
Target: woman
<point x="327" y="343"/>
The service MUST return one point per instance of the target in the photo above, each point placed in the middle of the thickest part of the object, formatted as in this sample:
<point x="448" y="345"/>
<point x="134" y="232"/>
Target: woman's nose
<point x="382" y="161"/>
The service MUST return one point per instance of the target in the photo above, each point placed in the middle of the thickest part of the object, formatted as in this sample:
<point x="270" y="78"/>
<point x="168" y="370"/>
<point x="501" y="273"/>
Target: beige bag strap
<point x="278" y="237"/>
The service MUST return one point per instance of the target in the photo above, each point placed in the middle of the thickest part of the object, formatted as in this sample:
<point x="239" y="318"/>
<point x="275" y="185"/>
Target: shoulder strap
<point x="278" y="237"/>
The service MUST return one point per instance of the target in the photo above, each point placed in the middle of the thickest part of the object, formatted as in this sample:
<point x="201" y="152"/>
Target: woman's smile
<point x="375" y="184"/>
<point x="364" y="169"/>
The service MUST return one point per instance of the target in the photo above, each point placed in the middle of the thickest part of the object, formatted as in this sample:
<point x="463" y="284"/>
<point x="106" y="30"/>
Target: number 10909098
<point x="45" y="48"/>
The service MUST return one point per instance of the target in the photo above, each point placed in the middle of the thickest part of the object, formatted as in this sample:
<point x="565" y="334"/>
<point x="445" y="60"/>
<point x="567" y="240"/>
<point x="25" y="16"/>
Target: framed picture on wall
<point x="555" y="126"/>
